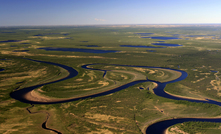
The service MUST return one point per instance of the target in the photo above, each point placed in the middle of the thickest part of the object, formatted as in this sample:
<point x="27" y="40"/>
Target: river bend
<point x="156" y="128"/>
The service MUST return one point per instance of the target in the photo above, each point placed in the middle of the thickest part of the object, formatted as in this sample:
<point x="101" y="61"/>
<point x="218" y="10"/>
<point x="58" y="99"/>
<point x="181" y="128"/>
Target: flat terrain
<point x="130" y="110"/>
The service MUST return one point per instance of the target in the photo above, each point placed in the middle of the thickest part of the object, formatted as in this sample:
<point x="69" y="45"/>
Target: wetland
<point x="119" y="87"/>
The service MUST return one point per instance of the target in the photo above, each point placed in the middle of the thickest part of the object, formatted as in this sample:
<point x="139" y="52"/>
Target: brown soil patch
<point x="78" y="79"/>
<point x="14" y="124"/>
<point x="185" y="96"/>
<point x="216" y="84"/>
<point x="8" y="102"/>
<point x="102" y="117"/>
<point x="101" y="123"/>
<point x="143" y="70"/>
<point x="175" y="130"/>
<point x="175" y="74"/>
<point x="103" y="83"/>
<point x="46" y="37"/>
<point x="160" y="110"/>
<point x="198" y="80"/>
<point x="35" y="96"/>
<point x="67" y="56"/>
<point x="5" y="64"/>
<point x="101" y="131"/>
<point x="14" y="78"/>
<point x="39" y="89"/>
<point x="2" y="44"/>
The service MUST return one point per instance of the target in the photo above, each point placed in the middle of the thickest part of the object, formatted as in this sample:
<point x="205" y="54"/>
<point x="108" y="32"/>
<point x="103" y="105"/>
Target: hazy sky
<point x="90" y="12"/>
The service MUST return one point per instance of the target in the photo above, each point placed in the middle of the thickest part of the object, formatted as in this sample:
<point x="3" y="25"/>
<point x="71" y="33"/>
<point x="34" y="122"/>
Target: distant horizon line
<point x="172" y="24"/>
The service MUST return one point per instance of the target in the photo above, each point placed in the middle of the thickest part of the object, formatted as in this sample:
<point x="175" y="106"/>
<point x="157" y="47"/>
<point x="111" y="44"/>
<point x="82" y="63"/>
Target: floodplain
<point x="116" y="56"/>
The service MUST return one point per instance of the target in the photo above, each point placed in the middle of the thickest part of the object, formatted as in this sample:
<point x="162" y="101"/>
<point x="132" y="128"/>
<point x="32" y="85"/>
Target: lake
<point x="162" y="38"/>
<point x="78" y="50"/>
<point x="140" y="46"/>
<point x="9" y="41"/>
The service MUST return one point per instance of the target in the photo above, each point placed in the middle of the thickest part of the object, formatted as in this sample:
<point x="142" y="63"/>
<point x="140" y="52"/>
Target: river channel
<point x="156" y="128"/>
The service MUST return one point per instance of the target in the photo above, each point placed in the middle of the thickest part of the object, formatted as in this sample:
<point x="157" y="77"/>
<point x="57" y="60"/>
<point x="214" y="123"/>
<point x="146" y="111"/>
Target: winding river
<point x="156" y="128"/>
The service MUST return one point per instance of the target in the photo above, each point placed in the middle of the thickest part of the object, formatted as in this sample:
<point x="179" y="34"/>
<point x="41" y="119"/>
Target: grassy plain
<point x="127" y="111"/>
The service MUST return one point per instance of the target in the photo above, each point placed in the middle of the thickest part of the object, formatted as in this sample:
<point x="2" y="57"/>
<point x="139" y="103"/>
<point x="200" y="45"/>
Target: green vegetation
<point x="127" y="111"/>
<point x="199" y="127"/>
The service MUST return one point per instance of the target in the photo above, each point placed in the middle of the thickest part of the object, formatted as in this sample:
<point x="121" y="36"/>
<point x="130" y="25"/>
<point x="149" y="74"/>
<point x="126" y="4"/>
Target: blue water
<point x="78" y="50"/>
<point x="1" y="69"/>
<point x="19" y="94"/>
<point x="38" y="35"/>
<point x="9" y="41"/>
<point x="140" y="46"/>
<point x="213" y="71"/>
<point x="156" y="128"/>
<point x="141" y="88"/>
<point x="20" y="50"/>
<point x="166" y="44"/>
<point x="160" y="127"/>
<point x="151" y="50"/>
<point x="162" y="38"/>
<point x="45" y="34"/>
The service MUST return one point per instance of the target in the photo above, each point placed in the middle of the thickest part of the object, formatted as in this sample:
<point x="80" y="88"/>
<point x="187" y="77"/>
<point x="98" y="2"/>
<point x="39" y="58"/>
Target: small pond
<point x="166" y="44"/>
<point x="151" y="50"/>
<point x="140" y="46"/>
<point x="20" y="50"/>
<point x="4" y="41"/>
<point x="213" y="71"/>
<point x="162" y="38"/>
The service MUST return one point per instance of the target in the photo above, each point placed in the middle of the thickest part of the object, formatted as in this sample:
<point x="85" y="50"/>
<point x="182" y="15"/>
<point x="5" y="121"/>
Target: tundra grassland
<point x="130" y="110"/>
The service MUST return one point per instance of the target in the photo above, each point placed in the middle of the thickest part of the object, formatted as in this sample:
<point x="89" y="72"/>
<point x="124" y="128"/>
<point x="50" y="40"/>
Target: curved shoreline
<point x="22" y="94"/>
<point x="159" y="90"/>
<point x="161" y="126"/>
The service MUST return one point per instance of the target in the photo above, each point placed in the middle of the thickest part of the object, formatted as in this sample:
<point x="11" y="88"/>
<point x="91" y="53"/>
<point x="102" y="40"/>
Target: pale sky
<point x="94" y="12"/>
